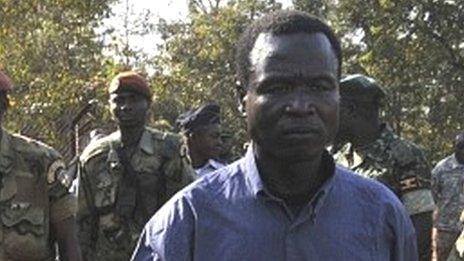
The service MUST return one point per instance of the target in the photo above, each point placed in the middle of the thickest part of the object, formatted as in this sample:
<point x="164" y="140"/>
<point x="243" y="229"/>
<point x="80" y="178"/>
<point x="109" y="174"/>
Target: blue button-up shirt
<point x="229" y="216"/>
<point x="210" y="166"/>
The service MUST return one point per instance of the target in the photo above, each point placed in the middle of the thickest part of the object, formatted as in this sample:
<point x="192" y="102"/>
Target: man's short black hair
<point x="280" y="22"/>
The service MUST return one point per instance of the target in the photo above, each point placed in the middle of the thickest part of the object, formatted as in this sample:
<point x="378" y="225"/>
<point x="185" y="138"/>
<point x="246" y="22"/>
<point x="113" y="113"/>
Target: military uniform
<point x="448" y="192"/>
<point x="398" y="164"/>
<point x="33" y="196"/>
<point x="111" y="212"/>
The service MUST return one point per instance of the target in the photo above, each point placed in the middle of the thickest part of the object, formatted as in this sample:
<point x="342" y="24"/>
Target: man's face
<point x="207" y="141"/>
<point x="359" y="116"/>
<point x="129" y="108"/>
<point x="292" y="99"/>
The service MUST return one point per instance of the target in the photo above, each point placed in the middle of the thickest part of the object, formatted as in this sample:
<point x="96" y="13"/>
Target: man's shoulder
<point x="405" y="151"/>
<point x="365" y="189"/>
<point x="444" y="165"/>
<point x="212" y="185"/>
<point x="98" y="147"/>
<point x="32" y="148"/>
<point x="169" y="142"/>
<point x="163" y="135"/>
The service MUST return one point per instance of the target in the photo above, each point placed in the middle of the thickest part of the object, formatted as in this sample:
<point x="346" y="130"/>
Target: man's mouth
<point x="301" y="132"/>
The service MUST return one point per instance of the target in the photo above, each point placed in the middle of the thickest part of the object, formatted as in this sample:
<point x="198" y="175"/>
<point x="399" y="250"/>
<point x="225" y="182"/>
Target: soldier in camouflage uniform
<point x="36" y="209"/>
<point x="127" y="175"/>
<point x="448" y="192"/>
<point x="371" y="149"/>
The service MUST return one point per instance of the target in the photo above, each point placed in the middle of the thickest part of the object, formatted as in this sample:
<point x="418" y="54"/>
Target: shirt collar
<point x="255" y="184"/>
<point x="215" y="164"/>
<point x="146" y="143"/>
<point x="250" y="171"/>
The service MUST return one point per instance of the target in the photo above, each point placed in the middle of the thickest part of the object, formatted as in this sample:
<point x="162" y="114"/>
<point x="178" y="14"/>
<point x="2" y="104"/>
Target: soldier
<point x="374" y="151"/>
<point x="127" y="175"/>
<point x="202" y="130"/>
<point x="36" y="208"/>
<point x="448" y="192"/>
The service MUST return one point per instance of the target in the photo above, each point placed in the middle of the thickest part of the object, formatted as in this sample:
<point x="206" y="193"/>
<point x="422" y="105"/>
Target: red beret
<point x="130" y="82"/>
<point x="5" y="82"/>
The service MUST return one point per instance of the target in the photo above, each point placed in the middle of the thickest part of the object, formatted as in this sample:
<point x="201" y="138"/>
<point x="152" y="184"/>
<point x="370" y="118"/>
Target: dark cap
<point x="361" y="86"/>
<point x="6" y="84"/>
<point x="130" y="82"/>
<point x="205" y="115"/>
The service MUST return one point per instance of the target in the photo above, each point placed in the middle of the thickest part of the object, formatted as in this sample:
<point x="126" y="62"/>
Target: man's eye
<point x="321" y="86"/>
<point x="278" y="88"/>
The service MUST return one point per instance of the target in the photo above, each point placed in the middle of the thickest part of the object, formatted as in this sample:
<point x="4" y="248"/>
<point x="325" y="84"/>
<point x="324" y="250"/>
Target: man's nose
<point x="126" y="106"/>
<point x="300" y="104"/>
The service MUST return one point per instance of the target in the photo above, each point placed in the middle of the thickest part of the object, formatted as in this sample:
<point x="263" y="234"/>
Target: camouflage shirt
<point x="448" y="192"/>
<point x="397" y="163"/>
<point x="33" y="196"/>
<point x="106" y="230"/>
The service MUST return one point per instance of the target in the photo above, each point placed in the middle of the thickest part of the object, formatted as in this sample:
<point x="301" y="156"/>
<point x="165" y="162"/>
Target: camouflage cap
<point x="5" y="82"/>
<point x="131" y="82"/>
<point x="361" y="86"/>
<point x="207" y="114"/>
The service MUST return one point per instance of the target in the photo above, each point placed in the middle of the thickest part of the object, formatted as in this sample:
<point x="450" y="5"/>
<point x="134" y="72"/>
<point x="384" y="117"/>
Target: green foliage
<point x="51" y="51"/>
<point x="415" y="49"/>
<point x="196" y="61"/>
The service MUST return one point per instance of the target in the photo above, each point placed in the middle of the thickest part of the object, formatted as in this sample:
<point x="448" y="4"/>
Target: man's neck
<point x="130" y="136"/>
<point x="367" y="138"/>
<point x="198" y="160"/>
<point x="294" y="182"/>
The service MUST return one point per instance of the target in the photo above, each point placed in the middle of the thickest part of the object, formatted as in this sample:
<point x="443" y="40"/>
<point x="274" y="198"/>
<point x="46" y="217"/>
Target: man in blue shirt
<point x="285" y="199"/>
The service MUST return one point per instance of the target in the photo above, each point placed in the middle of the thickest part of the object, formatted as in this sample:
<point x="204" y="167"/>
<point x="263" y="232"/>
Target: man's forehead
<point x="125" y="93"/>
<point x="279" y="52"/>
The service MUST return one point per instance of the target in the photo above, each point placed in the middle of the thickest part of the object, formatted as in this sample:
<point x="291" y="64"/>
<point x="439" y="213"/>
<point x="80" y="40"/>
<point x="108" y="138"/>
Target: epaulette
<point x="98" y="147"/>
<point x="406" y="152"/>
<point x="33" y="148"/>
<point x="170" y="142"/>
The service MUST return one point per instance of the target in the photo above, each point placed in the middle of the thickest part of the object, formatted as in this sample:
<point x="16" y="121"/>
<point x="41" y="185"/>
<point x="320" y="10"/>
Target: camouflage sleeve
<point x="63" y="203"/>
<point x="414" y="181"/>
<point x="179" y="172"/>
<point x="436" y="184"/>
<point x="86" y="219"/>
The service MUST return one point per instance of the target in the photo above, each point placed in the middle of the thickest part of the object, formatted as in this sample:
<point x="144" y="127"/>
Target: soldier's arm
<point x="179" y="172"/>
<point x="416" y="195"/>
<point x="442" y="240"/>
<point x="63" y="211"/>
<point x="436" y="184"/>
<point x="86" y="219"/>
